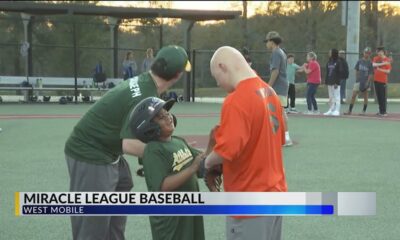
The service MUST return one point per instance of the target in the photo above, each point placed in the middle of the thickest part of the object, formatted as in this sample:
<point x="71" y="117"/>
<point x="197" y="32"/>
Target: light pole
<point x="351" y="9"/>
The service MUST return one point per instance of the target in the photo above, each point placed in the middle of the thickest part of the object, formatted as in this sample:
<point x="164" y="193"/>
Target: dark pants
<point x="380" y="89"/>
<point x="291" y="96"/>
<point x="342" y="89"/>
<point x="311" y="90"/>
<point x="86" y="177"/>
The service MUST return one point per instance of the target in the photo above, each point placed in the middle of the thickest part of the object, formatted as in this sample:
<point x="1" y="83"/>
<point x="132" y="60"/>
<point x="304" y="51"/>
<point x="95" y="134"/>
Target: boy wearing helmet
<point x="170" y="164"/>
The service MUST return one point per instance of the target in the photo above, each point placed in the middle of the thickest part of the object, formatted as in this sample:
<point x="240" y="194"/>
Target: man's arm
<point x="273" y="77"/>
<point x="387" y="71"/>
<point x="213" y="159"/>
<point x="380" y="64"/>
<point x="133" y="147"/>
<point x="301" y="69"/>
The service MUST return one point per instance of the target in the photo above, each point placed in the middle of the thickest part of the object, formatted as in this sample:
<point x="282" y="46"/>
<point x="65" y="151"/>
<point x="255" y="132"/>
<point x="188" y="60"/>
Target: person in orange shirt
<point x="248" y="141"/>
<point x="382" y="67"/>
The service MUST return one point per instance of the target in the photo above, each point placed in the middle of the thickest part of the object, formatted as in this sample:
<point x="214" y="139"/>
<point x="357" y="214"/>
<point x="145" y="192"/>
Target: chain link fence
<point x="53" y="55"/>
<point x="205" y="85"/>
<point x="52" y="47"/>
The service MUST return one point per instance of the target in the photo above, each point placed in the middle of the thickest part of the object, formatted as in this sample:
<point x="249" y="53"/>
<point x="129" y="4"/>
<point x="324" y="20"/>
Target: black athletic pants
<point x="380" y="89"/>
<point x="291" y="96"/>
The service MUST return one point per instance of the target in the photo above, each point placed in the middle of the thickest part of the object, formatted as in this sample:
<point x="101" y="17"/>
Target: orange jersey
<point x="380" y="76"/>
<point x="250" y="139"/>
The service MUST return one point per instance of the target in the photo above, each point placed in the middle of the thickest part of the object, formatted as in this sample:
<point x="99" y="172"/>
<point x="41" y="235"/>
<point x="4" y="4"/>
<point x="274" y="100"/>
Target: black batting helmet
<point x="142" y="126"/>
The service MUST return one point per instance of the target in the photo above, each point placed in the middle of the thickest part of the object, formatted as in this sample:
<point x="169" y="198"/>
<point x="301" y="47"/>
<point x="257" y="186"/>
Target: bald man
<point x="248" y="141"/>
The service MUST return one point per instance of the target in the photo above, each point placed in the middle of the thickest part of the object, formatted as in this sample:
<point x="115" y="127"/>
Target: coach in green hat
<point x="94" y="150"/>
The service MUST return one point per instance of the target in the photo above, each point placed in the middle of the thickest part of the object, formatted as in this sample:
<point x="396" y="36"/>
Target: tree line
<point x="305" y="26"/>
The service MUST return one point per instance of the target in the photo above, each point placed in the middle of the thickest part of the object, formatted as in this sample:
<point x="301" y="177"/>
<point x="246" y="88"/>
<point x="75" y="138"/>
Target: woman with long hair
<point x="129" y="66"/>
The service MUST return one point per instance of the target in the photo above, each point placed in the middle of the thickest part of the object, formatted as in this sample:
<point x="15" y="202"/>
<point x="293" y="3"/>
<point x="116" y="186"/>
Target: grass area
<point x="333" y="154"/>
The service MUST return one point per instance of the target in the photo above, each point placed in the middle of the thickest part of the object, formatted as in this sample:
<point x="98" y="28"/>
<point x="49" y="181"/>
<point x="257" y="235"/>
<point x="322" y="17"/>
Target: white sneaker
<point x="308" y="112"/>
<point x="288" y="143"/>
<point x="328" y="113"/>
<point x="335" y="113"/>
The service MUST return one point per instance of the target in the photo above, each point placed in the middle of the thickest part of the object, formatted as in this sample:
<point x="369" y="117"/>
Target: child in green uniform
<point x="170" y="164"/>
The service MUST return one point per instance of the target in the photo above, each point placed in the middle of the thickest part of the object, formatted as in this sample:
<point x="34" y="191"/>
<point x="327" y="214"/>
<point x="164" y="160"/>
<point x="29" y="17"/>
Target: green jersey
<point x="160" y="160"/>
<point x="97" y="137"/>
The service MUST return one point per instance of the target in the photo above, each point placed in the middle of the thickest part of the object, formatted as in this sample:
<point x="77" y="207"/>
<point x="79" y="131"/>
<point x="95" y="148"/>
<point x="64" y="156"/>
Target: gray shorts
<point x="259" y="228"/>
<point x="361" y="87"/>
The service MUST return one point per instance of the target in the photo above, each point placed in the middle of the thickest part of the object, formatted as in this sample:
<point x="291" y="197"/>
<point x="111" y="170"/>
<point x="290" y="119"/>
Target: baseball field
<point x="330" y="154"/>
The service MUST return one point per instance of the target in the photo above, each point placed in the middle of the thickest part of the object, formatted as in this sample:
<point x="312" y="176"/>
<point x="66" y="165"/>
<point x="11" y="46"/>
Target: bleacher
<point x="34" y="88"/>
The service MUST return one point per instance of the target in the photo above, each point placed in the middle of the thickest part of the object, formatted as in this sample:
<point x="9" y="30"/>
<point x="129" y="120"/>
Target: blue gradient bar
<point x="185" y="209"/>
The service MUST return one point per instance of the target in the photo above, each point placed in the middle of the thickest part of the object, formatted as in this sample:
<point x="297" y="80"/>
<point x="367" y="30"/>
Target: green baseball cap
<point x="175" y="59"/>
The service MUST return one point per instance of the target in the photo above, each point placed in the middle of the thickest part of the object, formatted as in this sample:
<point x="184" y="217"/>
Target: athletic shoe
<point x="293" y="110"/>
<point x="381" y="114"/>
<point x="328" y="113"/>
<point x="335" y="113"/>
<point x="288" y="143"/>
<point x="308" y="112"/>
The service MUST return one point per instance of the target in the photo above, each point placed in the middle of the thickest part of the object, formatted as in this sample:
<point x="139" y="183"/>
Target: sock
<point x="287" y="135"/>
<point x="351" y="107"/>
<point x="365" y="107"/>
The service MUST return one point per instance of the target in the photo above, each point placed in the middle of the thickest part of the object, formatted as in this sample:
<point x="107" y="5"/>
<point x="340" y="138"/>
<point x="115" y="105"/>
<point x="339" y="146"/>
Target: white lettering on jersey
<point x="181" y="158"/>
<point x="134" y="87"/>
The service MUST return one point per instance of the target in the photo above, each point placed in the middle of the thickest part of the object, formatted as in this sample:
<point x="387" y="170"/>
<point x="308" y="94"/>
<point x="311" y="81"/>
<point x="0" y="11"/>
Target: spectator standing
<point x="99" y="75"/>
<point x="146" y="64"/>
<point x="129" y="66"/>
<point x="291" y="70"/>
<point x="278" y="80"/>
<point x="382" y="67"/>
<point x="364" y="74"/>
<point x="313" y="71"/>
<point x="332" y="79"/>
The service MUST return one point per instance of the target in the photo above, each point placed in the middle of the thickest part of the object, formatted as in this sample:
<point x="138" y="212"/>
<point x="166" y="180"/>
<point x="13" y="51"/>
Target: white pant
<point x="334" y="98"/>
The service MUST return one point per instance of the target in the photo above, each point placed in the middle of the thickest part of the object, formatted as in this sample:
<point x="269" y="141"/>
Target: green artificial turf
<point x="330" y="155"/>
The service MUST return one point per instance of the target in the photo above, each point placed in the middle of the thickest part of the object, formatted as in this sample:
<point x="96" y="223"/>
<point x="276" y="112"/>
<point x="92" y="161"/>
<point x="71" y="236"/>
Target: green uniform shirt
<point x="161" y="159"/>
<point x="97" y="137"/>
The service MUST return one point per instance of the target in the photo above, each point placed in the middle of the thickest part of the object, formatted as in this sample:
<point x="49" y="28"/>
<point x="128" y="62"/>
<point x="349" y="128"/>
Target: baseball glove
<point x="213" y="178"/>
